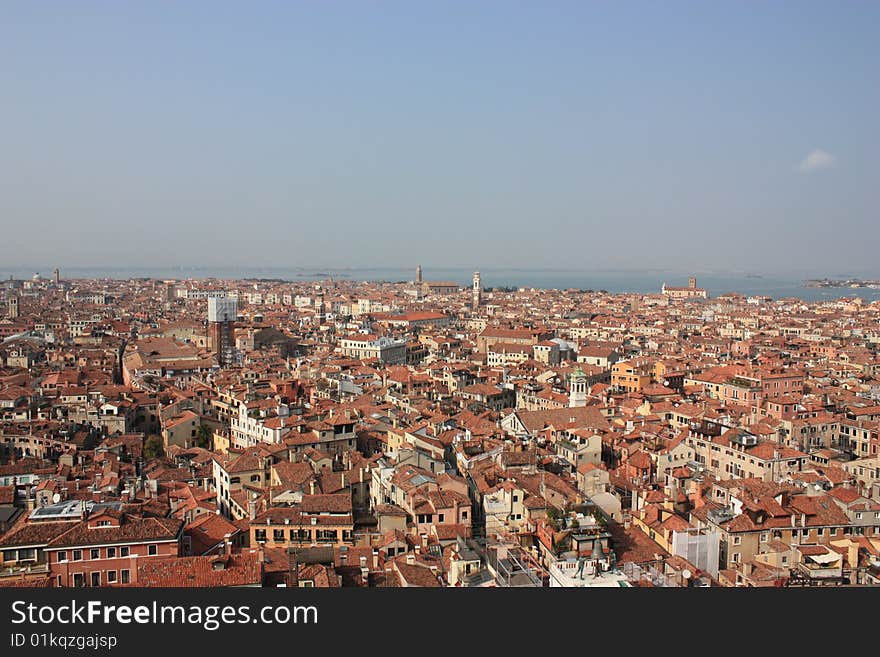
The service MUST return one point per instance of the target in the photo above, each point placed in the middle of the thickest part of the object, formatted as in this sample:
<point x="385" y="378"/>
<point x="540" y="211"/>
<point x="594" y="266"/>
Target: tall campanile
<point x="478" y="291"/>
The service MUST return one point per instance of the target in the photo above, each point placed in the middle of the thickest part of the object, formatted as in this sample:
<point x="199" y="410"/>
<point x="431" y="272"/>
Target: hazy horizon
<point x="683" y="137"/>
<point x="45" y="269"/>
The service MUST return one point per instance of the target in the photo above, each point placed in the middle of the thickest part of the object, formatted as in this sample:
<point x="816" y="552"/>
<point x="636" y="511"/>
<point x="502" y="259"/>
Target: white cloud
<point x="817" y="160"/>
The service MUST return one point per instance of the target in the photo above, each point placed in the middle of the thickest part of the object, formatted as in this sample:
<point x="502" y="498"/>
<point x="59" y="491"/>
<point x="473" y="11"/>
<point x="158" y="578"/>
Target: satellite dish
<point x="56" y="498"/>
<point x="686" y="573"/>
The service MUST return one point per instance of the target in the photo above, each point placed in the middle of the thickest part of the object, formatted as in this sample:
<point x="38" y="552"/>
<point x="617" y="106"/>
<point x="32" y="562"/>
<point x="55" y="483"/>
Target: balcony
<point x="24" y="568"/>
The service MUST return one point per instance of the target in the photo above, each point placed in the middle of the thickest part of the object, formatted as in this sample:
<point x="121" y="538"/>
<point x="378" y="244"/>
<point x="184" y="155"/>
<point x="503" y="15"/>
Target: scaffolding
<point x="651" y="571"/>
<point x="512" y="566"/>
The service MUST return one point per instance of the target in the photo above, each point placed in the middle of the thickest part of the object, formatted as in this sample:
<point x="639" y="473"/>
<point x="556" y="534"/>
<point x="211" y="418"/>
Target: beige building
<point x="737" y="454"/>
<point x="689" y="292"/>
<point x="504" y="508"/>
<point x="364" y="347"/>
<point x="316" y="520"/>
<point x="181" y="430"/>
<point x="505" y="354"/>
<point x="867" y="473"/>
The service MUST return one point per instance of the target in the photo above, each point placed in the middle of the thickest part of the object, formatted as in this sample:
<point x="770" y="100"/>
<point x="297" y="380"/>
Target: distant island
<point x="837" y="283"/>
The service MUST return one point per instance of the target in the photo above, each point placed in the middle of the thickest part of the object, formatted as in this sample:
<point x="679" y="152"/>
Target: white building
<point x="386" y="350"/>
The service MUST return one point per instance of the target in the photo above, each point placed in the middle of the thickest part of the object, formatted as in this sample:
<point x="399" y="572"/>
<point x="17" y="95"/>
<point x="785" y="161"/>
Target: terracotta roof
<point x="130" y="530"/>
<point x="243" y="569"/>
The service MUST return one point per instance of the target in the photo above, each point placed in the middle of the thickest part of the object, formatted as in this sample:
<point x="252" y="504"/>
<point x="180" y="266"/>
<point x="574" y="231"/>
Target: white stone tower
<point x="478" y="291"/>
<point x="578" y="394"/>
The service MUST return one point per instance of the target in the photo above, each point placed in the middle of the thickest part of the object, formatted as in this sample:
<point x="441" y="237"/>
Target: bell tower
<point x="478" y="291"/>
<point x="578" y="394"/>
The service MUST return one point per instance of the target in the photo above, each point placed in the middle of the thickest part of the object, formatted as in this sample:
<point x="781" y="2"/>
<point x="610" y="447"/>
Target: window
<point x="95" y="553"/>
<point x="124" y="576"/>
<point x="278" y="535"/>
<point x="737" y="540"/>
<point x="260" y="535"/>
<point x="96" y="579"/>
<point x="123" y="551"/>
<point x="77" y="555"/>
<point x="765" y="537"/>
<point x="27" y="554"/>
<point x="464" y="515"/>
<point x="735" y="557"/>
<point x="62" y="555"/>
<point x="440" y="517"/>
<point x="111" y="552"/>
<point x="111" y="576"/>
<point x="152" y="550"/>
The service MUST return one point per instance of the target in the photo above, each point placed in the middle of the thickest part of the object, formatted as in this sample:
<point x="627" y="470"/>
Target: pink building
<point x="104" y="549"/>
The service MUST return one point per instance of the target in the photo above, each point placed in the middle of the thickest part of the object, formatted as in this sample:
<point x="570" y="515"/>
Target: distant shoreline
<point x="647" y="281"/>
<point x="842" y="283"/>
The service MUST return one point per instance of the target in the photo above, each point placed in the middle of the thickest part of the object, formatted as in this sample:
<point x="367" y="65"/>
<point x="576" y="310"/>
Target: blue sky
<point x="707" y="135"/>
